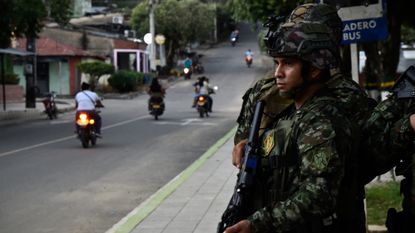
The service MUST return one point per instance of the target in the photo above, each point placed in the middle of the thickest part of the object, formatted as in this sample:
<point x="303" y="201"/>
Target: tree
<point x="382" y="57"/>
<point x="26" y="17"/>
<point x="181" y="22"/>
<point x="95" y="70"/>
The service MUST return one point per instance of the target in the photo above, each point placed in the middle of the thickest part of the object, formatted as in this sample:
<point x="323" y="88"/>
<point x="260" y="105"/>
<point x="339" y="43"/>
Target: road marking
<point x="56" y="122"/>
<point x="69" y="137"/>
<point x="190" y="121"/>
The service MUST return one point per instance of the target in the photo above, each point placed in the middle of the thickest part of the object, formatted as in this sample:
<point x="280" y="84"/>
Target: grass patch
<point x="379" y="198"/>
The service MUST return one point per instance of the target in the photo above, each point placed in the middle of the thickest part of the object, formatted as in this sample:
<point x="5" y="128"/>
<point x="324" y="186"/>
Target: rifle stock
<point x="237" y="208"/>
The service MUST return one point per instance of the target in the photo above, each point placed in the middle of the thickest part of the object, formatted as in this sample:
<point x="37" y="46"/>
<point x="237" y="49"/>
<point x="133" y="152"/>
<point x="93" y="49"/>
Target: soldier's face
<point x="288" y="75"/>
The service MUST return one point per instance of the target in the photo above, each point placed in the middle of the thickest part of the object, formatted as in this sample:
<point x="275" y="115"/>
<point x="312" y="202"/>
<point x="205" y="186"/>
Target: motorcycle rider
<point x="156" y="91"/>
<point x="205" y="90"/>
<point x="234" y="37"/>
<point x="249" y="55"/>
<point x="87" y="101"/>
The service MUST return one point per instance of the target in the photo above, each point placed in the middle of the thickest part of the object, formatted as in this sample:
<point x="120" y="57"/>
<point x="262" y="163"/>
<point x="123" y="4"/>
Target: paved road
<point x="49" y="183"/>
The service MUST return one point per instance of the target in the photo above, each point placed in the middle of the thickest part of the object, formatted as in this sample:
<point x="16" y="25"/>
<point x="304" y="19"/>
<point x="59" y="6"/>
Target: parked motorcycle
<point x="156" y="106"/>
<point x="248" y="60"/>
<point x="49" y="103"/>
<point x="86" y="129"/>
<point x="187" y="73"/>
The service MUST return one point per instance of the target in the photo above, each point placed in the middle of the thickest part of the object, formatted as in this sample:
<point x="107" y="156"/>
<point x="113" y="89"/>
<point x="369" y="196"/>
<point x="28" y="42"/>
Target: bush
<point x="126" y="81"/>
<point x="11" y="79"/>
<point x="95" y="70"/>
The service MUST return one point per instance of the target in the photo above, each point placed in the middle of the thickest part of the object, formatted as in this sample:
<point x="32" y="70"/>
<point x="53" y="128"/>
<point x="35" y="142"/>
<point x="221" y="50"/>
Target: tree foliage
<point x="181" y="22"/>
<point x="26" y="17"/>
<point x="382" y="57"/>
<point x="259" y="10"/>
<point x="95" y="70"/>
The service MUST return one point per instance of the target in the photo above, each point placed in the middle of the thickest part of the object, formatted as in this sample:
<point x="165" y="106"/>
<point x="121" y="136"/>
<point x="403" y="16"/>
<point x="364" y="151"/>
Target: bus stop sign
<point x="363" y="21"/>
<point x="364" y="30"/>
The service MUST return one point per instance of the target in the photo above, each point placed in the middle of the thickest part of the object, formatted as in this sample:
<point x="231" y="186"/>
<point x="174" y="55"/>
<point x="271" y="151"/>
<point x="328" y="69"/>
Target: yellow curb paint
<point x="142" y="211"/>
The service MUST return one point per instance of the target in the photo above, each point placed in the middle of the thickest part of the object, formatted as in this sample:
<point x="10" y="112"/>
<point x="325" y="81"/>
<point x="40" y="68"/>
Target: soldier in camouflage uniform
<point x="304" y="149"/>
<point x="351" y="100"/>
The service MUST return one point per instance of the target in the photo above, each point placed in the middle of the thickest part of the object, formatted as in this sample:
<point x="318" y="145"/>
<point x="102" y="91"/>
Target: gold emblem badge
<point x="268" y="143"/>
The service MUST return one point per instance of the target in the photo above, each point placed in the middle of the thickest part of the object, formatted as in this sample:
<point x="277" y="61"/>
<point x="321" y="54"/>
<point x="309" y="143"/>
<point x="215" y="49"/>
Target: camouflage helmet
<point x="309" y="41"/>
<point x="322" y="13"/>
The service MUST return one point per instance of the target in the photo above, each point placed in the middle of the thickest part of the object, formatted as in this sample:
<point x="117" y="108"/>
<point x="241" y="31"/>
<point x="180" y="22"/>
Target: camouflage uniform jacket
<point x="387" y="136"/>
<point x="318" y="137"/>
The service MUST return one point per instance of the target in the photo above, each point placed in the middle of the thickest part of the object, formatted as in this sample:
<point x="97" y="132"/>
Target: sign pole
<point x="354" y="56"/>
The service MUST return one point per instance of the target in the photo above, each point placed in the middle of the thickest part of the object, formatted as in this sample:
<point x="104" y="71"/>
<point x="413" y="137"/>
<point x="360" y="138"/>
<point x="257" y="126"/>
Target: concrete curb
<point x="129" y="222"/>
<point x="377" y="229"/>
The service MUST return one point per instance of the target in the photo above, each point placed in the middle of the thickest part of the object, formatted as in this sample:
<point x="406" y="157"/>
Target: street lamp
<point x="160" y="40"/>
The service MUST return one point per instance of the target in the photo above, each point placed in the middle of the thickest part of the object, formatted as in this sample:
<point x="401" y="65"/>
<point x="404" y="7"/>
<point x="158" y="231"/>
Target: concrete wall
<point x="14" y="93"/>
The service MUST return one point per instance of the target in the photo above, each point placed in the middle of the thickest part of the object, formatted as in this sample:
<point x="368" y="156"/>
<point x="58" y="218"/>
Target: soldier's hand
<point x="238" y="153"/>
<point x="243" y="226"/>
<point x="412" y="121"/>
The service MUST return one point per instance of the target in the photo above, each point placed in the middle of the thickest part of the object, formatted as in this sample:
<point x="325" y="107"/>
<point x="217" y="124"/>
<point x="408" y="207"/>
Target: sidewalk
<point x="194" y="201"/>
<point x="17" y="112"/>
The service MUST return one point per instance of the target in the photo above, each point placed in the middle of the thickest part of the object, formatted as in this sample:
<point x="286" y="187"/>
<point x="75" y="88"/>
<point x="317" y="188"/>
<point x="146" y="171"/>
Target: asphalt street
<point x="51" y="184"/>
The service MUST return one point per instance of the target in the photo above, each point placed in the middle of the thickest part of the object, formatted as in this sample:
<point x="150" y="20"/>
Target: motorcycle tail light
<point x="201" y="98"/>
<point x="82" y="119"/>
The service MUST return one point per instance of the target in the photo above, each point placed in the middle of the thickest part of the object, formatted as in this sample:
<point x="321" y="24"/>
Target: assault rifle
<point x="403" y="221"/>
<point x="238" y="207"/>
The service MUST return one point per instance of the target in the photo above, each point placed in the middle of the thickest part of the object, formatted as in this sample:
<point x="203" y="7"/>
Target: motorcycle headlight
<point x="186" y="70"/>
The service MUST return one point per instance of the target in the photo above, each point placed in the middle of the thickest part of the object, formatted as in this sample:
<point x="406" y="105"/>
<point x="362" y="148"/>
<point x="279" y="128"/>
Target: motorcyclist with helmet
<point x="87" y="101"/>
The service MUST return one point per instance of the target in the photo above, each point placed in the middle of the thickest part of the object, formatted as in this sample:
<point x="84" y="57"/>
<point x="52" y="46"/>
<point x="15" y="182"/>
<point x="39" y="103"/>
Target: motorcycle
<point x="233" y="41"/>
<point x="248" y="60"/>
<point x="204" y="102"/>
<point x="202" y="106"/>
<point x="86" y="129"/>
<point x="198" y="68"/>
<point x="49" y="103"/>
<point x="187" y="73"/>
<point x="156" y="106"/>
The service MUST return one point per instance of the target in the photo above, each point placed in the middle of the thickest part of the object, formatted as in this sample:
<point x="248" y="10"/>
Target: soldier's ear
<point x="315" y="73"/>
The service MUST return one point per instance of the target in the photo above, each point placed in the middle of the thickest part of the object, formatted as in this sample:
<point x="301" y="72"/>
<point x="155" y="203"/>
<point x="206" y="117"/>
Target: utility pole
<point x="215" y="24"/>
<point x="30" y="73"/>
<point x="3" y="80"/>
<point x="152" y="32"/>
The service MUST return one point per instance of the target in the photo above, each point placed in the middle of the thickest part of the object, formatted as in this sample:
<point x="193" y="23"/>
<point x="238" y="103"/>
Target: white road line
<point x="190" y="121"/>
<point x="69" y="137"/>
